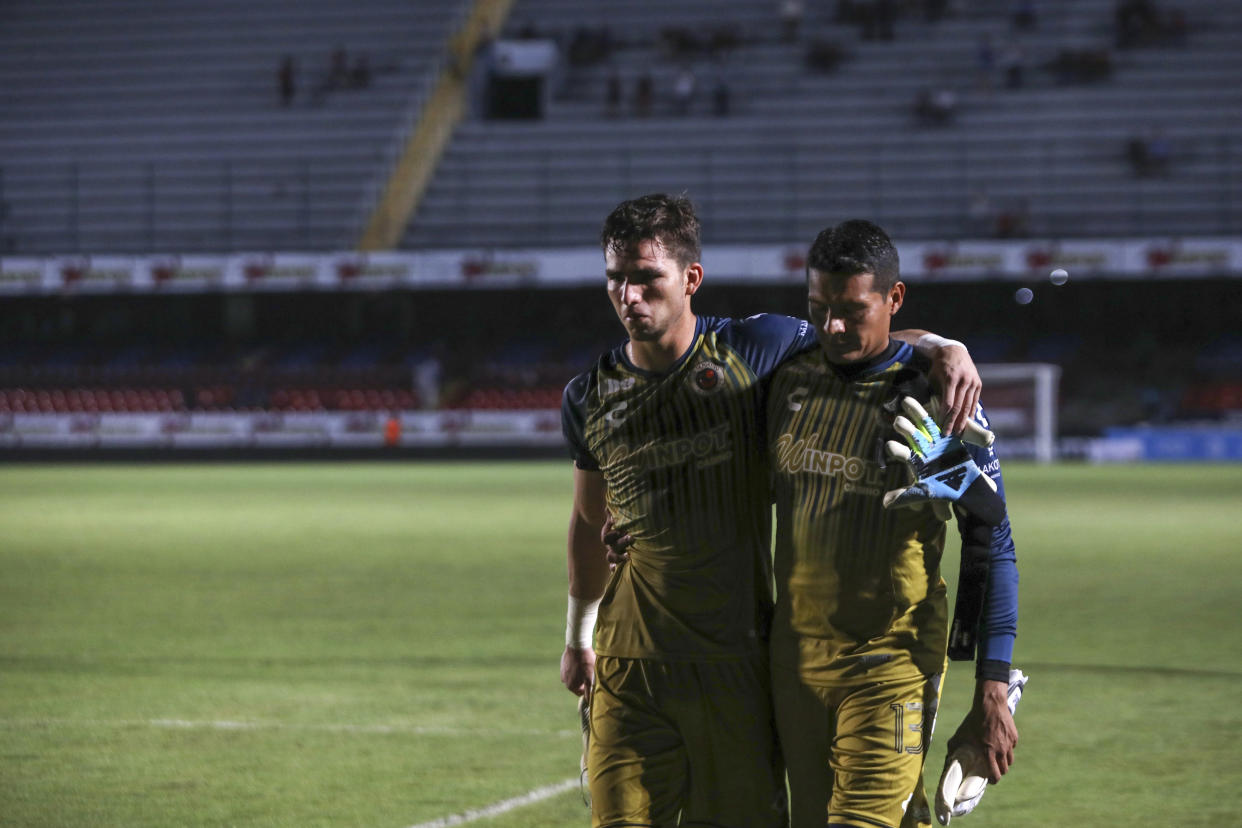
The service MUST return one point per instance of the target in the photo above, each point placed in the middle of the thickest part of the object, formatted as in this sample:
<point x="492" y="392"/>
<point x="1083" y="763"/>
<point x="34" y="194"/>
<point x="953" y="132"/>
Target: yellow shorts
<point x="684" y="743"/>
<point x="855" y="752"/>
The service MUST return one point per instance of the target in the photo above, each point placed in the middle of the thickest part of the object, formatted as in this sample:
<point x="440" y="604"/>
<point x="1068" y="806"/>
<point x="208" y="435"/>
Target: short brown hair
<point x="668" y="220"/>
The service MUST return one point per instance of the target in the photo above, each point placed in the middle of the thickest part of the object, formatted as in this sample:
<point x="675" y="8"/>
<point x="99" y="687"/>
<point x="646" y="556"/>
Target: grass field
<point x="377" y="645"/>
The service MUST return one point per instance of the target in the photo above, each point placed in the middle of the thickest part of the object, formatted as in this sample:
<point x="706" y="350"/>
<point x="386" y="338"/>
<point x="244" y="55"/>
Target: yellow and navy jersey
<point x="859" y="591"/>
<point x="683" y="457"/>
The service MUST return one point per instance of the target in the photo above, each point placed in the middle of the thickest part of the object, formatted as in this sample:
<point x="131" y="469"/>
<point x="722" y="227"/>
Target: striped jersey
<point x="859" y="591"/>
<point x="683" y="457"/>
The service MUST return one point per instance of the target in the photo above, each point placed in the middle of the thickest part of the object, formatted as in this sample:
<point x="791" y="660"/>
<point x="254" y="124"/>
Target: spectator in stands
<point x="337" y="76"/>
<point x="1149" y="154"/>
<point x="791" y="12"/>
<point x="824" y="55"/>
<point x="934" y="10"/>
<point x="985" y="63"/>
<point x="286" y="80"/>
<point x="1136" y="155"/>
<point x="1013" y="63"/>
<point x="683" y="90"/>
<point x="678" y="42"/>
<point x="360" y="73"/>
<point x="338" y="68"/>
<point x="1159" y="151"/>
<point x="923" y="105"/>
<point x="722" y="41"/>
<point x="612" y="94"/>
<point x="886" y="12"/>
<point x="427" y="373"/>
<point x="1081" y="65"/>
<point x="1136" y="22"/>
<point x="528" y="31"/>
<point x="980" y="216"/>
<point x="935" y="106"/>
<point x="1013" y="221"/>
<point x="644" y="95"/>
<point x="1024" y="15"/>
<point x="1175" y="27"/>
<point x="480" y="69"/>
<point x="588" y="45"/>
<point x="876" y="19"/>
<point x="1141" y="23"/>
<point x="720" y="97"/>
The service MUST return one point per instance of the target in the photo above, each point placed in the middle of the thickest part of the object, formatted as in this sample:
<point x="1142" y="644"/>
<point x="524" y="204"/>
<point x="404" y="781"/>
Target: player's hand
<point x="981" y="751"/>
<point x="953" y="372"/>
<point x="617" y="541"/>
<point x="578" y="669"/>
<point x="989" y="727"/>
<point x="943" y="470"/>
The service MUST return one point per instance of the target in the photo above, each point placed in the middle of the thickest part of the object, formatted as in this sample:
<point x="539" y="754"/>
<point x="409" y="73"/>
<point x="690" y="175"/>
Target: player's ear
<point x="694" y="278"/>
<point x="896" y="295"/>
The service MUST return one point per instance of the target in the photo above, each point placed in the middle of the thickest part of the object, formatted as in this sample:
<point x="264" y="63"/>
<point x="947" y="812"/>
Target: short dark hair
<point x="669" y="220"/>
<point x="853" y="247"/>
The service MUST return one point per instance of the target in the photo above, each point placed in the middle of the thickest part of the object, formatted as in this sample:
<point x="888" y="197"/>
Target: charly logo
<point x="615" y="386"/>
<point x="707" y="377"/>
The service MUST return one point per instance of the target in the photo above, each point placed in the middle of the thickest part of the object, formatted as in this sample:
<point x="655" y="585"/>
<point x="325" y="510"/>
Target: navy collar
<point x="856" y="370"/>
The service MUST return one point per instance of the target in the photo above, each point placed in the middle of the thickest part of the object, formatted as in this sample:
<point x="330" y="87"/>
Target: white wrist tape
<point x="580" y="623"/>
<point x="929" y="343"/>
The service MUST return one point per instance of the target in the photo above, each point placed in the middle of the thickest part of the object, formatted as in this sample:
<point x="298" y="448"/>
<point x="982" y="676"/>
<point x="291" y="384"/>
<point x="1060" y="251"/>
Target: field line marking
<point x="225" y="724"/>
<point x="502" y="807"/>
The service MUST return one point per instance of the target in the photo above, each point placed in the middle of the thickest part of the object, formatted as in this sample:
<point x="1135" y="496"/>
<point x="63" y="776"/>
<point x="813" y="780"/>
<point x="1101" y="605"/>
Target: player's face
<point x="851" y="319"/>
<point x="649" y="290"/>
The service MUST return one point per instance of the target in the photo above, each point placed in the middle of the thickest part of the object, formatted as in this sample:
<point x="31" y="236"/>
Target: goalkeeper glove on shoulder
<point x="943" y="470"/>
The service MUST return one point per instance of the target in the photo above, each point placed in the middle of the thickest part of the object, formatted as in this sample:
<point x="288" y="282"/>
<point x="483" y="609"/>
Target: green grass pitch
<point x="377" y="645"/>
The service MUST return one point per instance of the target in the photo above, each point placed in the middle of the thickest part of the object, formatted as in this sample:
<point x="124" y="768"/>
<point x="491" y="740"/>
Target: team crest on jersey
<point x="707" y="377"/>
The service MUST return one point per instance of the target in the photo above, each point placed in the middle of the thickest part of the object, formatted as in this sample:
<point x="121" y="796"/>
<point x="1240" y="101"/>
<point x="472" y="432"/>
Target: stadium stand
<point x="800" y="147"/>
<point x="160" y="126"/>
<point x="1123" y="360"/>
<point x="149" y="128"/>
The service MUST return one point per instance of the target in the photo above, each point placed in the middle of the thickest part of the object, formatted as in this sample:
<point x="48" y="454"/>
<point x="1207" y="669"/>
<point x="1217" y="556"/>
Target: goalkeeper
<point x="862" y="628"/>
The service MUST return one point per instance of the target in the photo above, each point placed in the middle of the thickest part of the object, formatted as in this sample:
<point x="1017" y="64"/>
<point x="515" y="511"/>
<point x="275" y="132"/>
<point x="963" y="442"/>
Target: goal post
<point x="1021" y="403"/>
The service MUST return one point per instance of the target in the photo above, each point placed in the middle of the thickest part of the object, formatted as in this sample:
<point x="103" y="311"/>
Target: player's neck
<point x="658" y="355"/>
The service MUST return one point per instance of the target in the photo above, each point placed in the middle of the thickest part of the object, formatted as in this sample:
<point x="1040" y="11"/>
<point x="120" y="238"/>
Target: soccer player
<point x="859" y="638"/>
<point x="666" y="435"/>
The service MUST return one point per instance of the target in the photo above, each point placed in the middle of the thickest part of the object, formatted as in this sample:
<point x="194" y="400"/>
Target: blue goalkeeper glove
<point x="943" y="470"/>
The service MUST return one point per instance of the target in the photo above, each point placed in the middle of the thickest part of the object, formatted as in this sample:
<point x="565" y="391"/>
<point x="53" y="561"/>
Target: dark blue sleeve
<point x="766" y="340"/>
<point x="573" y="421"/>
<point x="998" y="623"/>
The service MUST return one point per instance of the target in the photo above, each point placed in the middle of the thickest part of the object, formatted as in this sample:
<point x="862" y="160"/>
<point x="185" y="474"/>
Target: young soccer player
<point x="665" y="432"/>
<point x="859" y="637"/>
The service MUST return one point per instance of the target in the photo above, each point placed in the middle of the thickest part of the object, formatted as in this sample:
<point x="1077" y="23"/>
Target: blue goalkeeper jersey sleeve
<point x="998" y="623"/>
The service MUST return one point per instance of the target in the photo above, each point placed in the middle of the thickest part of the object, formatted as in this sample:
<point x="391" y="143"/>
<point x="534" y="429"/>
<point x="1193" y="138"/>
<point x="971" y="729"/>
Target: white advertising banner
<point x="293" y="430"/>
<point x="181" y="274"/>
<point x="507" y="269"/>
<point x="24" y="274"/>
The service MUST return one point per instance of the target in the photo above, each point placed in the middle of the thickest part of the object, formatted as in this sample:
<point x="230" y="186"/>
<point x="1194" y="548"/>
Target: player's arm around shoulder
<point x="953" y="373"/>
<point x="765" y="340"/>
<point x="588" y="571"/>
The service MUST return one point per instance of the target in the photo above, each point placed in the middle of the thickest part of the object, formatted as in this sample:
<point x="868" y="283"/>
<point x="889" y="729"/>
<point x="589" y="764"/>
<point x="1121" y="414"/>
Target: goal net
<point x="1021" y="404"/>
